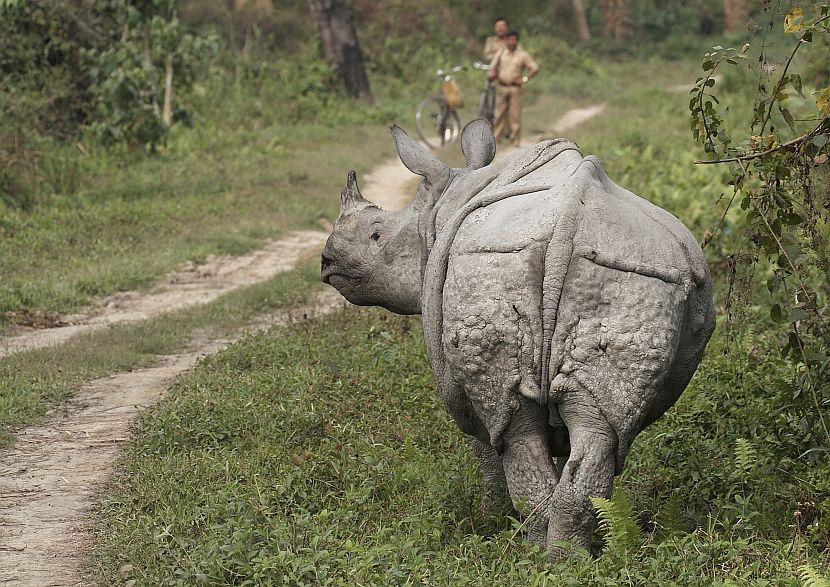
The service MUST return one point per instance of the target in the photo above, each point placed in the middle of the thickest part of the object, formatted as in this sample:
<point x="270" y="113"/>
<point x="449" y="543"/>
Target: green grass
<point x="33" y="382"/>
<point x="133" y="221"/>
<point x="218" y="188"/>
<point x="320" y="453"/>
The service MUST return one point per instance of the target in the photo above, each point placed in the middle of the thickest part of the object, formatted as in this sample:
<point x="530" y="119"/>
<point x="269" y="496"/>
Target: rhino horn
<point x="350" y="196"/>
<point x="418" y="159"/>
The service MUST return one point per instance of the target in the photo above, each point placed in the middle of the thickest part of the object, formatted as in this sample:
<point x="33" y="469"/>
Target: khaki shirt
<point x="492" y="46"/>
<point x="509" y="64"/>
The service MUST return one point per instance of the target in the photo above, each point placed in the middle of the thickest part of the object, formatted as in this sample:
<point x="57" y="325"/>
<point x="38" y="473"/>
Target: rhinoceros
<point x="562" y="314"/>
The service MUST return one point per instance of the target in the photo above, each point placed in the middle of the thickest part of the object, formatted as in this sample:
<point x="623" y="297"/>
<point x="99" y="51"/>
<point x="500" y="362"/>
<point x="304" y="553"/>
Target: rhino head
<point x="373" y="257"/>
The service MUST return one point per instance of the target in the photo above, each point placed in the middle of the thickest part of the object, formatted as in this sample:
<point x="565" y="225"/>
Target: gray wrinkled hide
<point x="562" y="313"/>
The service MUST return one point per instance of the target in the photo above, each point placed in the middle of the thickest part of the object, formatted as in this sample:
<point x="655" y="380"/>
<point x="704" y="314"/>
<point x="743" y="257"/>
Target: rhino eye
<point x="375" y="235"/>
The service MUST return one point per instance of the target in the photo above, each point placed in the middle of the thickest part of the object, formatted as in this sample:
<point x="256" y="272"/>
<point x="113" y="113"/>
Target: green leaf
<point x="793" y="251"/>
<point x="776" y="314"/>
<point x="708" y="64"/>
<point x="795" y="80"/>
<point x="790" y="218"/>
<point x="788" y="118"/>
<point x="797" y="314"/>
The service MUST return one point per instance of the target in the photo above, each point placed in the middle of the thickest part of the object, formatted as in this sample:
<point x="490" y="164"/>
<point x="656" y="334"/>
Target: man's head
<point x="512" y="40"/>
<point x="500" y="27"/>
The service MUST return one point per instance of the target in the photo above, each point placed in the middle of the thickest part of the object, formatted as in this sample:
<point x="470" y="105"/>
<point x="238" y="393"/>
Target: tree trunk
<point x="580" y="21"/>
<point x="734" y="15"/>
<point x="615" y="21"/>
<point x="340" y="47"/>
<point x="167" y="109"/>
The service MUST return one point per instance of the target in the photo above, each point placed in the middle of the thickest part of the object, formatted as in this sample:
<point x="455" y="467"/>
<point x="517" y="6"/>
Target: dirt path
<point x="576" y="116"/>
<point x="50" y="479"/>
<point x="190" y="286"/>
<point x="388" y="186"/>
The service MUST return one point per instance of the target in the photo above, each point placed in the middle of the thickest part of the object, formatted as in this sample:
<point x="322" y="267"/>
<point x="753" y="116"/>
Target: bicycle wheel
<point x="436" y="123"/>
<point x="487" y="104"/>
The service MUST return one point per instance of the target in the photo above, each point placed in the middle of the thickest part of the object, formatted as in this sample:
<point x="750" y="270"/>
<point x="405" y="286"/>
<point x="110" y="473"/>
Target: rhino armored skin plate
<point x="562" y="313"/>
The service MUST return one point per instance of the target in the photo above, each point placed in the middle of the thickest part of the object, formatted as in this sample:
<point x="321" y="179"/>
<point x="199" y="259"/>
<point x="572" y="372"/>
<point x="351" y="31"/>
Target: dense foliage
<point x="103" y="66"/>
<point x="779" y="171"/>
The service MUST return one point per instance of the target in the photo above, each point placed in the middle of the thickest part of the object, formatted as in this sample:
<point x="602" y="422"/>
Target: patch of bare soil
<point x="562" y="125"/>
<point x="576" y="116"/>
<point x="390" y="185"/>
<point x="50" y="479"/>
<point x="189" y="286"/>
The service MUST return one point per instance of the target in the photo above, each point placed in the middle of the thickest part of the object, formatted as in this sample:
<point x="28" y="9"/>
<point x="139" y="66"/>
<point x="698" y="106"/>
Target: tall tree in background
<point x="340" y="46"/>
<point x="615" y="21"/>
<point x="580" y="21"/>
<point x="734" y="15"/>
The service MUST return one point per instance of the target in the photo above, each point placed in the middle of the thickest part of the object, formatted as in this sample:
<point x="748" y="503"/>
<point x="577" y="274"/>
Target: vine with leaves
<point x="779" y="172"/>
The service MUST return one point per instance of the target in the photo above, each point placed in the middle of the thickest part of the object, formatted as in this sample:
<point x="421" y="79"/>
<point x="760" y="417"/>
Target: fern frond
<point x="745" y="457"/>
<point x="619" y="522"/>
<point x="810" y="577"/>
<point x="669" y="520"/>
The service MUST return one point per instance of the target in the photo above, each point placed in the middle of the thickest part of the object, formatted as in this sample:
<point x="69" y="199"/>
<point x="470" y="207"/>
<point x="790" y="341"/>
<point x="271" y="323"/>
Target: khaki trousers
<point x="508" y="113"/>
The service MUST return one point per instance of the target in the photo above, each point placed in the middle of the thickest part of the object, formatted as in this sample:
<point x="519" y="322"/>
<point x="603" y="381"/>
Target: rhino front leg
<point x="528" y="466"/>
<point x="588" y="472"/>
<point x="494" y="496"/>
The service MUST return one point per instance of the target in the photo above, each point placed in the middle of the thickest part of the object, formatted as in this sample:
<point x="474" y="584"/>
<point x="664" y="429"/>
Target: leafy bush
<point x="778" y="172"/>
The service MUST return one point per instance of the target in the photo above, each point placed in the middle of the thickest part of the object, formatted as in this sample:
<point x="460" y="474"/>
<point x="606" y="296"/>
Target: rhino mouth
<point x="330" y="273"/>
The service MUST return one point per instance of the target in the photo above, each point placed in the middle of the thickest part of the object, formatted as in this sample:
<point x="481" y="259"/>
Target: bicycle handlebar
<point x="442" y="73"/>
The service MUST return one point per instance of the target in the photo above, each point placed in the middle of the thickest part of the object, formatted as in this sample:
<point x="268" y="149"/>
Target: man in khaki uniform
<point x="498" y="41"/>
<point x="508" y="69"/>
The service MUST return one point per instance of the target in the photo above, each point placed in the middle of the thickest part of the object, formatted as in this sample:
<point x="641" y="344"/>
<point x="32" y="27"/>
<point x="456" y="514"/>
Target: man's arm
<point x="532" y="69"/>
<point x="493" y="71"/>
<point x="489" y="49"/>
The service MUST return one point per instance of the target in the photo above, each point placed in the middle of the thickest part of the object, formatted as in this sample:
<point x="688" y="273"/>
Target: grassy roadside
<point x="118" y="220"/>
<point x="133" y="221"/>
<point x="319" y="454"/>
<point x="224" y="193"/>
<point x="33" y="382"/>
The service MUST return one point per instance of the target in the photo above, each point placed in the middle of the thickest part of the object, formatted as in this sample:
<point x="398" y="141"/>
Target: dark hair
<point x="513" y="34"/>
<point x="499" y="19"/>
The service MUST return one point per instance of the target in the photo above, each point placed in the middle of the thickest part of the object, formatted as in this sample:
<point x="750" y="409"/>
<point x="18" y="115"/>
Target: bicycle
<point x="436" y="118"/>
<point x="487" y="99"/>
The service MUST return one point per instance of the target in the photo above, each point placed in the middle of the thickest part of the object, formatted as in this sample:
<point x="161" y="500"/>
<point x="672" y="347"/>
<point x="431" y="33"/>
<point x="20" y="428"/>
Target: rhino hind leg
<point x="588" y="472"/>
<point x="495" y="496"/>
<point x="528" y="466"/>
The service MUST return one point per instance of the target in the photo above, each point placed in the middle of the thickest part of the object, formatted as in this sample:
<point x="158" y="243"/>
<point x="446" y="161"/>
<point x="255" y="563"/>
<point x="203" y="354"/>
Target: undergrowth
<point x="321" y="454"/>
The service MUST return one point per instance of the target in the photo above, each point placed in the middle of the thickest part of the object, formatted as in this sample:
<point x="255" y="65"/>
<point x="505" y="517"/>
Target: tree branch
<point x="789" y="144"/>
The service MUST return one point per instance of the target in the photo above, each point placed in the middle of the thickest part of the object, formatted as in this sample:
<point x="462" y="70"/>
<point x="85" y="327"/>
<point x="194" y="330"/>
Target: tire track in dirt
<point x="51" y="479"/>
<point x="389" y="185"/>
<point x="189" y="286"/>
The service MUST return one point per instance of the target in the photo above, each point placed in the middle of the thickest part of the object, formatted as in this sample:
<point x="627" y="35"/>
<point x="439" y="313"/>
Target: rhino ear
<point x="478" y="144"/>
<point x="418" y="159"/>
